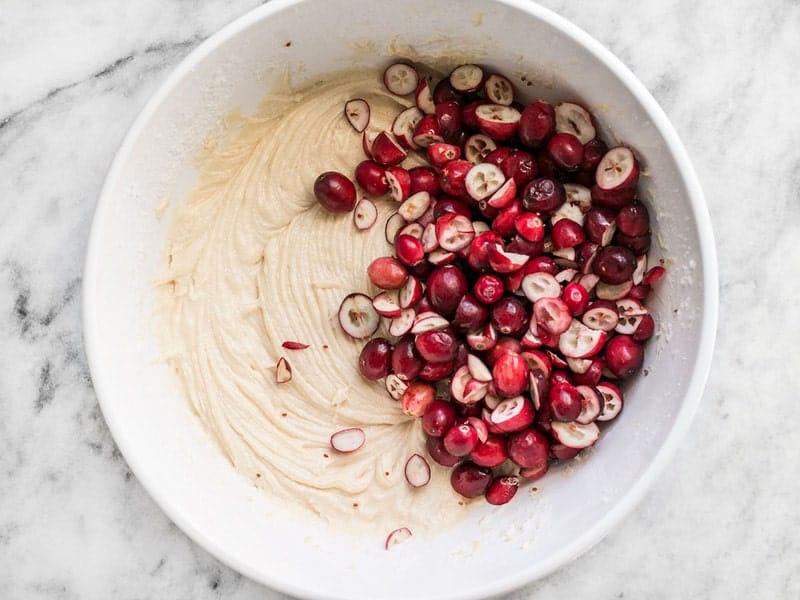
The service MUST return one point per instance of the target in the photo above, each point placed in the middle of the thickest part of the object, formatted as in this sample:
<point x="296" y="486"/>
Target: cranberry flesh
<point x="543" y="195"/>
<point x="335" y="192"/>
<point x="470" y="480"/>
<point x="614" y="264"/>
<point x="375" y="357"/>
<point x="446" y="286"/>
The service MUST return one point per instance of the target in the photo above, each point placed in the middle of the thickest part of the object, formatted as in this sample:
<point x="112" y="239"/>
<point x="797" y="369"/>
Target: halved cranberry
<point x="444" y="92"/>
<point x="375" y="357"/>
<point x="600" y="225"/>
<point x="593" y="151"/>
<point x="645" y="329"/>
<point x="417" y="398"/>
<point x="372" y="177"/>
<point x="453" y="177"/>
<point x="509" y="315"/>
<point x="409" y="250"/>
<point x="446" y="286"/>
<point x="504" y="223"/>
<point x="470" y="480"/>
<point x="639" y="244"/>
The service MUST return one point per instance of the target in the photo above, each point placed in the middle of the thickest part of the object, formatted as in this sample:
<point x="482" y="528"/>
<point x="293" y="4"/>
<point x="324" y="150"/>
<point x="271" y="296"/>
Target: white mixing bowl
<point x="163" y="441"/>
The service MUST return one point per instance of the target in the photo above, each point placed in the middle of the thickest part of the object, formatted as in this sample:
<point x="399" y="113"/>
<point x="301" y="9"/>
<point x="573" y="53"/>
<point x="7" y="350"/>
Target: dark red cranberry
<point x="444" y="92"/>
<point x="446" y="286"/>
<point x="614" y="264"/>
<point x="406" y="362"/>
<point x="470" y="314"/>
<point x="566" y="151"/>
<point x="438" y="418"/>
<point x="519" y="166"/>
<point x="435" y="447"/>
<point x="543" y="195"/>
<point x="528" y="448"/>
<point x="565" y="401"/>
<point x="637" y="244"/>
<point x="498" y="155"/>
<point x="372" y="177"/>
<point x="520" y="245"/>
<point x="645" y="329"/>
<point x="509" y="315"/>
<point x="424" y="179"/>
<point x="446" y="204"/>
<point x="335" y="192"/>
<point x="502" y="489"/>
<point x="461" y="439"/>
<point x="599" y="224"/>
<point x="623" y="356"/>
<point x="537" y="124"/>
<point x="436" y="346"/>
<point x="448" y="118"/>
<point x="541" y="264"/>
<point x="468" y="116"/>
<point x="434" y="371"/>
<point x="593" y="151"/>
<point x="375" y="357"/>
<point x="470" y="480"/>
<point x="633" y="220"/>
<point x="567" y="234"/>
<point x="503" y="223"/>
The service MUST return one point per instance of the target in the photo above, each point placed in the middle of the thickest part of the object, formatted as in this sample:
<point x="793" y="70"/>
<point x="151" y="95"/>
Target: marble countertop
<point x="722" y="522"/>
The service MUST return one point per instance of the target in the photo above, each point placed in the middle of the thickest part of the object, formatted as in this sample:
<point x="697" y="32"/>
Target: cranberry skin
<point x="406" y="363"/>
<point x="597" y="222"/>
<point x="417" y="398"/>
<point x="592" y="375"/>
<point x="434" y="371"/>
<point x="528" y="448"/>
<point x="335" y="192"/>
<point x="504" y="223"/>
<point x="438" y="418"/>
<point x="576" y="298"/>
<point x="565" y="402"/>
<point x="645" y="330"/>
<point x="488" y="288"/>
<point x="498" y="155"/>
<point x="436" y="346"/>
<point x="448" y="118"/>
<point x="547" y="166"/>
<point x="387" y="272"/>
<point x="409" y="250"/>
<point x="637" y="244"/>
<point x="504" y="344"/>
<point x="567" y="234"/>
<point x="375" y="357"/>
<point x="566" y="151"/>
<point x="633" y="219"/>
<point x="372" y="177"/>
<point x="541" y="264"/>
<point x="452" y="179"/>
<point x="461" y="439"/>
<point x="446" y="286"/>
<point x="424" y="179"/>
<point x="623" y="356"/>
<point x="519" y="166"/>
<point x="502" y="490"/>
<point x="562" y="452"/>
<point x="612" y="198"/>
<point x="435" y="447"/>
<point x="509" y="315"/>
<point x="444" y="92"/>
<point x="614" y="264"/>
<point x="510" y="374"/>
<point x="491" y="453"/>
<point x="543" y="195"/>
<point x="470" y="314"/>
<point x="560" y="377"/>
<point x="536" y="124"/>
<point x="478" y="258"/>
<point x="446" y="205"/>
<point x="593" y="152"/>
<point x="520" y="245"/>
<point x="470" y="480"/>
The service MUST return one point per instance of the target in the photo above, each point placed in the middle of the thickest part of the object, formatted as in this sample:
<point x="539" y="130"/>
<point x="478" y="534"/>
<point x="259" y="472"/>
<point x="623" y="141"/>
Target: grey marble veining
<point x="722" y="521"/>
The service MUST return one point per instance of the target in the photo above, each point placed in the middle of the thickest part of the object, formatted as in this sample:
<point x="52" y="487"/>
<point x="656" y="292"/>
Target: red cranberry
<point x="504" y="223"/>
<point x="633" y="220"/>
<point x="510" y="374"/>
<point x="547" y="166"/>
<point x="452" y="179"/>
<point x="424" y="179"/>
<point x="537" y="123"/>
<point x="436" y="346"/>
<point x="504" y="344"/>
<point x="576" y="298"/>
<point x="446" y="286"/>
<point x="468" y="116"/>
<point x="461" y="439"/>
<point x="438" y="418"/>
<point x="509" y="315"/>
<point x="593" y="151"/>
<point x="478" y="257"/>
<point x="502" y="489"/>
<point x="417" y="398"/>
<point x="520" y="245"/>
<point x="528" y="448"/>
<point x="372" y="177"/>
<point x="599" y="225"/>
<point x="543" y="195"/>
<point x="444" y="92"/>
<point x="541" y="264"/>
<point x="592" y="375"/>
<point x="614" y="264"/>
<point x="566" y="151"/>
<point x="435" y="447"/>
<point x="498" y="155"/>
<point x="567" y="234"/>
<point x="387" y="272"/>
<point x="565" y="401"/>
<point x="490" y="453"/>
<point x="623" y="356"/>
<point x="470" y="314"/>
<point x="373" y="362"/>
<point x="560" y="377"/>
<point x="645" y="329"/>
<point x="434" y="371"/>
<point x="406" y="363"/>
<point x="470" y="480"/>
<point x="488" y="288"/>
<point x="637" y="244"/>
<point x="409" y="250"/>
<point x="448" y="117"/>
<point x="335" y="192"/>
<point x="519" y="166"/>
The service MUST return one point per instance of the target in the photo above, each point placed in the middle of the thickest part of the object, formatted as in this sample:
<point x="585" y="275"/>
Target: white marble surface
<point x="722" y="522"/>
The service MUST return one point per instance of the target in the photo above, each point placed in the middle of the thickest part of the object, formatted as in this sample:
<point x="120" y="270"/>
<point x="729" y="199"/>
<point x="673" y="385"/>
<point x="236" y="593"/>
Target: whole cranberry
<point x="614" y="264"/>
<point x="509" y="315"/>
<point x="448" y="117"/>
<point x="470" y="480"/>
<point x="528" y="448"/>
<point x="438" y="418"/>
<point x="375" y="357"/>
<point x="537" y="123"/>
<point x="633" y="220"/>
<point x="543" y="195"/>
<point x="436" y="346"/>
<point x="436" y="449"/>
<point x="565" y="402"/>
<point x="566" y="151"/>
<point x="446" y="286"/>
<point x="335" y="192"/>
<point x="519" y="166"/>
<point x="470" y="314"/>
<point x="406" y="362"/>
<point x="623" y="356"/>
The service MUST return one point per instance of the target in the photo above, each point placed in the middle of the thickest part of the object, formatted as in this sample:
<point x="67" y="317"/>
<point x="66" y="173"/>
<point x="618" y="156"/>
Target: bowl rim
<point x="694" y="391"/>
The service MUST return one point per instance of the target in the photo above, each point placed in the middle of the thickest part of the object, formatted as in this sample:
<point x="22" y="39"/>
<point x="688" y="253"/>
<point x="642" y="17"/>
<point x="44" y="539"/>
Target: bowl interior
<point x="164" y="443"/>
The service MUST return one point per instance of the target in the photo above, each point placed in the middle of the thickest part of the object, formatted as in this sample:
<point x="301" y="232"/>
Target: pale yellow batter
<point x="251" y="261"/>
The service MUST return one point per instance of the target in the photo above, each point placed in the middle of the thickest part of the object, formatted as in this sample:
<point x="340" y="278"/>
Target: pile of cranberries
<point x="514" y="300"/>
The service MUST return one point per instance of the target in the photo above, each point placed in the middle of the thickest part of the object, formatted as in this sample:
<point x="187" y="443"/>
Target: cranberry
<point x="504" y="223"/>
<point x="387" y="272"/>
<point x="593" y="151"/>
<point x="599" y="224"/>
<point x="637" y="244"/>
<point x="567" y="234"/>
<point x="424" y="179"/>
<point x="372" y="177"/>
<point x="335" y="192"/>
<point x="528" y="448"/>
<point x="633" y="220"/>
<point x="509" y="315"/>
<point x="623" y="356"/>
<point x="488" y="288"/>
<point x="468" y="116"/>
<point x="435" y="447"/>
<point x="409" y="250"/>
<point x="645" y="329"/>
<point x="543" y="195"/>
<point x="434" y="371"/>
<point x="565" y="401"/>
<point x="490" y="453"/>
<point x="510" y="374"/>
<point x="592" y="375"/>
<point x="436" y="346"/>
<point x="461" y="439"/>
<point x="498" y="155"/>
<point x="537" y="123"/>
<point x="614" y="264"/>
<point x="373" y="362"/>
<point x="406" y="363"/>
<point x="530" y="226"/>
<point x="541" y="264"/>
<point x="504" y="344"/>
<point x="446" y="286"/>
<point x="566" y="151"/>
<point x="520" y="245"/>
<point x="560" y="377"/>
<point x="438" y="418"/>
<point x="470" y="480"/>
<point x="502" y="489"/>
<point x="470" y="314"/>
<point x="562" y="452"/>
<point x="519" y="166"/>
<point x="446" y="205"/>
<point x="576" y="298"/>
<point x="453" y="177"/>
<point x="417" y="398"/>
<point x="448" y="118"/>
<point x="547" y="166"/>
<point x="444" y="92"/>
